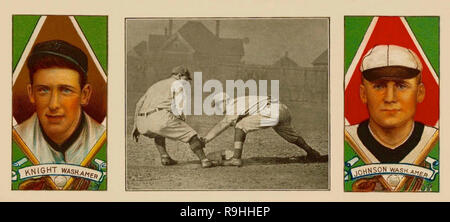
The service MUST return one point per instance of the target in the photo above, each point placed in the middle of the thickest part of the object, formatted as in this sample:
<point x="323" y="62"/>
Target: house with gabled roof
<point x="194" y="45"/>
<point x="285" y="62"/>
<point x="321" y="60"/>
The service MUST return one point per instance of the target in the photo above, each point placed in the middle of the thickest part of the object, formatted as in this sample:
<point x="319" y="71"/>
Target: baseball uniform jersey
<point x="159" y="112"/>
<point x="408" y="152"/>
<point x="76" y="147"/>
<point x="250" y="113"/>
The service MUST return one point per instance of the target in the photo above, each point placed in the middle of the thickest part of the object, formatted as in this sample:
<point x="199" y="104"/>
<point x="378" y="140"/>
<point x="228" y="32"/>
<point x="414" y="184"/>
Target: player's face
<point x="392" y="102"/>
<point x="58" y="98"/>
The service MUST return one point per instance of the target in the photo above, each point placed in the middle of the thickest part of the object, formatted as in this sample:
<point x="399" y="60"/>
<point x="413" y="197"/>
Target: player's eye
<point x="401" y="85"/>
<point x="379" y="86"/>
<point x="43" y="90"/>
<point x="66" y="90"/>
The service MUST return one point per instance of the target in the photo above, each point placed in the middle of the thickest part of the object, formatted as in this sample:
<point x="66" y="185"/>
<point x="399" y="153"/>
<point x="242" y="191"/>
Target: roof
<point x="202" y="40"/>
<point x="140" y="48"/>
<point x="231" y="47"/>
<point x="155" y="41"/>
<point x="322" y="59"/>
<point x="285" y="61"/>
<point x="198" y="37"/>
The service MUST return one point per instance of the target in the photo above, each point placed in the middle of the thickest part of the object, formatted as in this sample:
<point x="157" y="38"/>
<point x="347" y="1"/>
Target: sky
<point x="304" y="39"/>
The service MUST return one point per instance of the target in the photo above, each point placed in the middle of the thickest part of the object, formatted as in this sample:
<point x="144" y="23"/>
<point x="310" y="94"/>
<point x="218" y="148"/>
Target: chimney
<point x="170" y="27"/>
<point x="217" y="28"/>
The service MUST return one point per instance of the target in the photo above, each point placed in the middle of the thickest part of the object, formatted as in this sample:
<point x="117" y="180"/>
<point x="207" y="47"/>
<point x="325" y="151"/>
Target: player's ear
<point x="86" y="94"/>
<point x="420" y="92"/>
<point x="30" y="93"/>
<point x="362" y="93"/>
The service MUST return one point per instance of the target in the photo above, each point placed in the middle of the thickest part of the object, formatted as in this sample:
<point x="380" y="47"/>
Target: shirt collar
<point x="66" y="144"/>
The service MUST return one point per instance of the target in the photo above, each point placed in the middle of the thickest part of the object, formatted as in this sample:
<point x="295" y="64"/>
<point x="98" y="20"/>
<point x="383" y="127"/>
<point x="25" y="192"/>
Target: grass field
<point x="270" y="163"/>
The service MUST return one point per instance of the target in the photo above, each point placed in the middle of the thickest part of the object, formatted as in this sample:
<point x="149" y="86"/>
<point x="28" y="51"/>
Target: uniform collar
<point x="66" y="144"/>
<point x="385" y="154"/>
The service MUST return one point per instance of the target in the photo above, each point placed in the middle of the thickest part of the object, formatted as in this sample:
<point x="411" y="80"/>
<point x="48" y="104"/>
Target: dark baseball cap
<point x="182" y="70"/>
<point x="61" y="49"/>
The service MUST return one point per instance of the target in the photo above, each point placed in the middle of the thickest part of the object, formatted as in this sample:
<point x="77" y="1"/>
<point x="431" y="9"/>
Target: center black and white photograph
<point x="227" y="104"/>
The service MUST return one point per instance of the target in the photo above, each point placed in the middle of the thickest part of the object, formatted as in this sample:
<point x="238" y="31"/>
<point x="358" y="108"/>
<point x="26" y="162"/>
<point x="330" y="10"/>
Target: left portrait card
<point x="59" y="102"/>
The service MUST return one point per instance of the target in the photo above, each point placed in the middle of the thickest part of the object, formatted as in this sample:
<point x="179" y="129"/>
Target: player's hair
<point x="51" y="61"/>
<point x="419" y="78"/>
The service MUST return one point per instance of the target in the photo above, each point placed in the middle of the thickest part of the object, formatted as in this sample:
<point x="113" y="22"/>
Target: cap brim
<point x="391" y="72"/>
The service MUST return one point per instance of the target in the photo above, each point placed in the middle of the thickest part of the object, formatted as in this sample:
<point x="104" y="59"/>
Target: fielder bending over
<point x="251" y="113"/>
<point x="159" y="115"/>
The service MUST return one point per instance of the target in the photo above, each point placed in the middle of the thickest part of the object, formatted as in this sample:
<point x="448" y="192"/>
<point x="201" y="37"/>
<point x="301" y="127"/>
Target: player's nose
<point x="390" y="94"/>
<point x="54" y="101"/>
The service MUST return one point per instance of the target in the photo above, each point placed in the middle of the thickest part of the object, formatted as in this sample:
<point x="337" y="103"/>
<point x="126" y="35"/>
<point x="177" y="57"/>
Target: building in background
<point x="220" y="58"/>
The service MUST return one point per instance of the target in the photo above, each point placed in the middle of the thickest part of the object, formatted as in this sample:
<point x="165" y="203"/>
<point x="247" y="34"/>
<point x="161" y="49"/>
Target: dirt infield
<point x="270" y="163"/>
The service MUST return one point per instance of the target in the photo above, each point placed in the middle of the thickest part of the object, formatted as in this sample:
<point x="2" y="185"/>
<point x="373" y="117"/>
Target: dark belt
<point x="150" y="112"/>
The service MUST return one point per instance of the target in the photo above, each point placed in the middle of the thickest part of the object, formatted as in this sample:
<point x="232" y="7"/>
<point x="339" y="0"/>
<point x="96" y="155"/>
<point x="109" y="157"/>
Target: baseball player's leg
<point x="254" y="122"/>
<point x="146" y="125"/>
<point x="245" y="125"/>
<point x="180" y="130"/>
<point x="287" y="132"/>
<point x="160" y="143"/>
<point x="197" y="147"/>
<point x="239" y="139"/>
<point x="167" y="125"/>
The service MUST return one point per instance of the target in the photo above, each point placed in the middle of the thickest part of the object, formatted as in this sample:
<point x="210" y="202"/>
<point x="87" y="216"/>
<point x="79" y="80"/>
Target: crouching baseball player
<point x="159" y="115"/>
<point x="251" y="113"/>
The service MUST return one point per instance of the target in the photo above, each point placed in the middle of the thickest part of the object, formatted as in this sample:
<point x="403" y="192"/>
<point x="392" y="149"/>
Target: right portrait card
<point x="391" y="104"/>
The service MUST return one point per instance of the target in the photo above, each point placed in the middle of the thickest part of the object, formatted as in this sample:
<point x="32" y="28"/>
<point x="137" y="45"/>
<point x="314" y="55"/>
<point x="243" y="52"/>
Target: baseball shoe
<point x="167" y="161"/>
<point x="313" y="156"/>
<point x="206" y="163"/>
<point x="233" y="162"/>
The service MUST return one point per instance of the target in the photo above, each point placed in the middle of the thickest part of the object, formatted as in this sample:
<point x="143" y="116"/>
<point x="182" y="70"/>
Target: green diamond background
<point x="426" y="31"/>
<point x="95" y="29"/>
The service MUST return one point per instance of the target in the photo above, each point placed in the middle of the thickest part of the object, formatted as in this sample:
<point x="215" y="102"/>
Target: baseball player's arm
<point x="139" y="105"/>
<point x="219" y="128"/>
<point x="178" y="100"/>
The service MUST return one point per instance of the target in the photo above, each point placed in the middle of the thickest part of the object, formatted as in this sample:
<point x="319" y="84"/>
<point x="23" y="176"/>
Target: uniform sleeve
<point x="139" y="106"/>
